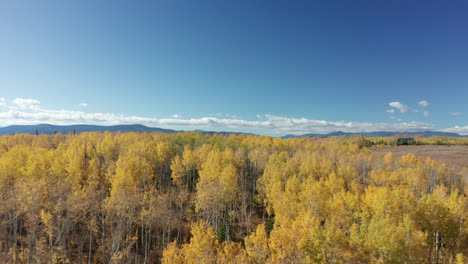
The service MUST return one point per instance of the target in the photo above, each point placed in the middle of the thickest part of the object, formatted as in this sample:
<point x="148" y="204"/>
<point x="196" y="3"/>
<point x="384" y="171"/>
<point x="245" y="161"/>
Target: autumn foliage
<point x="196" y="198"/>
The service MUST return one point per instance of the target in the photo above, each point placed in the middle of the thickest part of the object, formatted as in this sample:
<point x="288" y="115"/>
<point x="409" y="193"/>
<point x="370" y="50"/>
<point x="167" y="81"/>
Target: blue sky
<point x="269" y="67"/>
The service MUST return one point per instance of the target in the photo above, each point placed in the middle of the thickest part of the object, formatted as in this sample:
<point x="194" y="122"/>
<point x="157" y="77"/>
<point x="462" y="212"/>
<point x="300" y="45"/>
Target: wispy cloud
<point x="403" y="108"/>
<point x="391" y="111"/>
<point x="456" y="114"/>
<point x="426" y="113"/>
<point x="2" y="102"/>
<point x="462" y="130"/>
<point x="29" y="111"/>
<point x="23" y="103"/>
<point x="423" y="103"/>
<point x="83" y="105"/>
<point x="231" y="116"/>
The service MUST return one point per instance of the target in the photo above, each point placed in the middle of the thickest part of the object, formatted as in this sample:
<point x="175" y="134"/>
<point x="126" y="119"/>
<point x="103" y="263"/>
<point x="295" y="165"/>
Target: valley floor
<point x="455" y="156"/>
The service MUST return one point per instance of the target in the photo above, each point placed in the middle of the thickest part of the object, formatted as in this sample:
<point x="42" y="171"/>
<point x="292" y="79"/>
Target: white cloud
<point x="403" y="108"/>
<point x="220" y="115"/>
<point x="391" y="111"/>
<point x="426" y="113"/>
<point x="456" y="114"/>
<point x="83" y="105"/>
<point x="423" y="103"/>
<point x="23" y="103"/>
<point x="457" y="129"/>
<point x="271" y="124"/>
<point x="2" y="102"/>
<point x="395" y="118"/>
<point x="176" y="116"/>
<point x="29" y="112"/>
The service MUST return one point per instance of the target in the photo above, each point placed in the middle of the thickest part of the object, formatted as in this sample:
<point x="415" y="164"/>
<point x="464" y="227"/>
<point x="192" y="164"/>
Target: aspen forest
<point x="197" y="198"/>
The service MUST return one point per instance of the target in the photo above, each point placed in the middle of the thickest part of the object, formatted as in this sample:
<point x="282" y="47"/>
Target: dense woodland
<point x="417" y="140"/>
<point x="195" y="198"/>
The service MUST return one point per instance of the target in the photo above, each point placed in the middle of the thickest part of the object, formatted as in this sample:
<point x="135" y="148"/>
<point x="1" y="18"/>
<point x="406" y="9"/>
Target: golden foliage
<point x="197" y="198"/>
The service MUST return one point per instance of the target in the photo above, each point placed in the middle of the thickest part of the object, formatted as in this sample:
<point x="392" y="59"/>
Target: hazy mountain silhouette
<point x="381" y="134"/>
<point x="51" y="129"/>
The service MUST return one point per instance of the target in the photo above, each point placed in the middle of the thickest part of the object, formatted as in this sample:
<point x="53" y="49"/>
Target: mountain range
<point x="51" y="129"/>
<point x="380" y="134"/>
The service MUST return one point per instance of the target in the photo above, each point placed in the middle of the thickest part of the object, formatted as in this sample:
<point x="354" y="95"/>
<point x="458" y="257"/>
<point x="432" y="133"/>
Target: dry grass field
<point x="456" y="156"/>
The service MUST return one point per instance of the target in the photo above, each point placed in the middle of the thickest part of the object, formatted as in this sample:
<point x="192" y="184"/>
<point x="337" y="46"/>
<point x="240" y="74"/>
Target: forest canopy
<point x="196" y="198"/>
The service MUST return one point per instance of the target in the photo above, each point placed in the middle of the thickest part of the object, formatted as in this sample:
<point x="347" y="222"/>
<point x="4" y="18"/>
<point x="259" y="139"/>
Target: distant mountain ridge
<point x="51" y="129"/>
<point x="380" y="134"/>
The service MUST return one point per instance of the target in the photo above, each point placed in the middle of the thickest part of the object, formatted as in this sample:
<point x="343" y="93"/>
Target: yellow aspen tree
<point x="177" y="171"/>
<point x="172" y="254"/>
<point x="202" y="246"/>
<point x="231" y="253"/>
<point x="256" y="245"/>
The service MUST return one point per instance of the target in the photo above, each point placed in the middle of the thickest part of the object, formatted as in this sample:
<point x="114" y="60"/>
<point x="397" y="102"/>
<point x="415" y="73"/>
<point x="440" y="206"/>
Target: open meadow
<point x="455" y="156"/>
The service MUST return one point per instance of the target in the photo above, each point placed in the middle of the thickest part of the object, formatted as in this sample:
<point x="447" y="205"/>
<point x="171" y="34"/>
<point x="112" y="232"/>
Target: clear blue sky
<point x="302" y="66"/>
